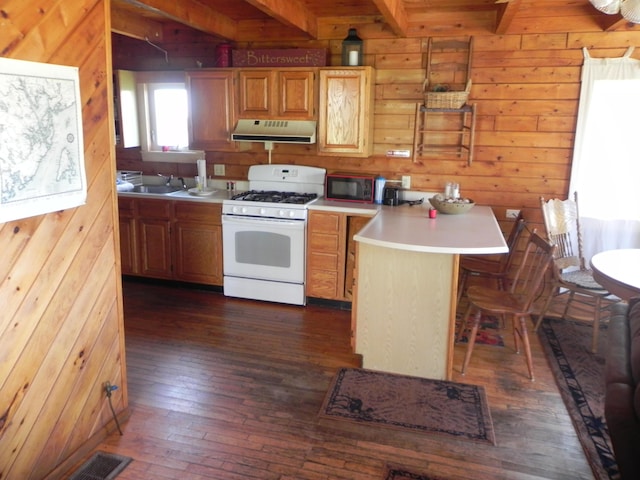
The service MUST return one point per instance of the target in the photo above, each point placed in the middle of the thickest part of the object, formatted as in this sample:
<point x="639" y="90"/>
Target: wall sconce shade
<point x="352" y="51"/>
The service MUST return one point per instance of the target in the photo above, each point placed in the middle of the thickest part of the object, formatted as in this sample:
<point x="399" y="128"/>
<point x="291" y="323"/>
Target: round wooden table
<point x="618" y="271"/>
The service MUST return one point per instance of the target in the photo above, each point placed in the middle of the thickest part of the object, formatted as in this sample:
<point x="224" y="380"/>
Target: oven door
<point x="264" y="248"/>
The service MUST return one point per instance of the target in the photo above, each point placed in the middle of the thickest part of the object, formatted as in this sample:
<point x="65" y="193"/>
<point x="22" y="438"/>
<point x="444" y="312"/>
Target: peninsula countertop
<point x="410" y="228"/>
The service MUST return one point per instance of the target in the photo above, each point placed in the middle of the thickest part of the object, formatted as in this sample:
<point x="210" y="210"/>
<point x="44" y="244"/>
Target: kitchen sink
<point x="157" y="189"/>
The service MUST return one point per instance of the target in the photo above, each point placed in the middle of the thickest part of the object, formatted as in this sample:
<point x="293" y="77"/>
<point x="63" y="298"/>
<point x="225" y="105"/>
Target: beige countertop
<point x="405" y="227"/>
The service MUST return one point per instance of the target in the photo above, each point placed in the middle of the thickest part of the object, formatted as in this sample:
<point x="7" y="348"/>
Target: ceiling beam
<point x="289" y="12"/>
<point x="507" y="10"/>
<point x="135" y="26"/>
<point x="192" y="14"/>
<point x="394" y="14"/>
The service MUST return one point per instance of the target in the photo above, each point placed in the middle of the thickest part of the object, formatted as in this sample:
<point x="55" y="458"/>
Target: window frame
<point x="150" y="151"/>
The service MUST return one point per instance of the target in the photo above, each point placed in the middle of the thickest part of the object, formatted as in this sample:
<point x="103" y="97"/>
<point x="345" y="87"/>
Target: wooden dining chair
<point x="571" y="277"/>
<point x="516" y="302"/>
<point x="490" y="266"/>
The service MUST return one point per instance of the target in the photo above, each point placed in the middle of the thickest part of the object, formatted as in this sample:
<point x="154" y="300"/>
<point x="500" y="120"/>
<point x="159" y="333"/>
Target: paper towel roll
<point x="202" y="169"/>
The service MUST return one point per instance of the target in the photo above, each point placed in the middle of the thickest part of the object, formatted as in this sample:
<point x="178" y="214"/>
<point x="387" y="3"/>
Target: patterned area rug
<point x="409" y="403"/>
<point x="580" y="378"/>
<point x="487" y="332"/>
<point x="394" y="473"/>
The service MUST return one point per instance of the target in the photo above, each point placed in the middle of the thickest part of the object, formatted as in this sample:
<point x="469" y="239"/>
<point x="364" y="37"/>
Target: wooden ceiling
<point x="300" y="20"/>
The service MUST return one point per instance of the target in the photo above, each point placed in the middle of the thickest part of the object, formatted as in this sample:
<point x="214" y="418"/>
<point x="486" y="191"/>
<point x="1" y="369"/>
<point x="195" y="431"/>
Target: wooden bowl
<point x="451" y="208"/>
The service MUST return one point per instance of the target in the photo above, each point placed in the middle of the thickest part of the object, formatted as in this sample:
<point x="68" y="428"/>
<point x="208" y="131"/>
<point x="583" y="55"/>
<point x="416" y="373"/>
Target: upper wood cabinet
<point x="212" y="109"/>
<point x="277" y="93"/>
<point x="345" y="124"/>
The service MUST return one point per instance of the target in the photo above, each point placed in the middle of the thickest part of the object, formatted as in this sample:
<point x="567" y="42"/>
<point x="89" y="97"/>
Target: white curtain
<point x="606" y="163"/>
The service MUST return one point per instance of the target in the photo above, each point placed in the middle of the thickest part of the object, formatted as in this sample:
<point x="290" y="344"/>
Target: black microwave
<point x="350" y="187"/>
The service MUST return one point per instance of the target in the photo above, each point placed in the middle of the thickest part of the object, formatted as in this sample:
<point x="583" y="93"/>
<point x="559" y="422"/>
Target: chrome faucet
<point x="167" y="180"/>
<point x="184" y="185"/>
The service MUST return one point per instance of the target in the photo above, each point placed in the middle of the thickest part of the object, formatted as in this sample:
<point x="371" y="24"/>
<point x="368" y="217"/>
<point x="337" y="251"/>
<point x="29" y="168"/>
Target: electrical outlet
<point x="218" y="169"/>
<point x="406" y="182"/>
<point x="512" y="214"/>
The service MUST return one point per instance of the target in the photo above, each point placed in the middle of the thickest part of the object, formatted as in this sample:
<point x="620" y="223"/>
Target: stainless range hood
<point x="275" y="131"/>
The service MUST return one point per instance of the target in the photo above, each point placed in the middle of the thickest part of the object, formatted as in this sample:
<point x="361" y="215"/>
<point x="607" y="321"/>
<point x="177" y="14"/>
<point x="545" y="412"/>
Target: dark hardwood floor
<point x="223" y="388"/>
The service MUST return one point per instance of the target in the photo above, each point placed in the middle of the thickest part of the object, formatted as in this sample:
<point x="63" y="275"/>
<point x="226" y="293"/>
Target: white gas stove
<point x="264" y="233"/>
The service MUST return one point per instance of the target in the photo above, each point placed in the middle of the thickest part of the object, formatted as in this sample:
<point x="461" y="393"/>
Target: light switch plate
<point x="218" y="169"/>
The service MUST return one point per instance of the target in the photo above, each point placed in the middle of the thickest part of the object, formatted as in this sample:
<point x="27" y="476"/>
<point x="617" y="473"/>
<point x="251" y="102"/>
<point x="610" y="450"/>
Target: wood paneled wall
<point x="526" y="88"/>
<point x="61" y="326"/>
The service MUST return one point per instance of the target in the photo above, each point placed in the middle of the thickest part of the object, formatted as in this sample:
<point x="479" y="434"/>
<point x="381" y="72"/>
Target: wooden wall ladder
<point x="443" y="129"/>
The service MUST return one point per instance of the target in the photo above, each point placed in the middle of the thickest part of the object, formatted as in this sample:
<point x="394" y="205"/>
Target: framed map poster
<point x="41" y="143"/>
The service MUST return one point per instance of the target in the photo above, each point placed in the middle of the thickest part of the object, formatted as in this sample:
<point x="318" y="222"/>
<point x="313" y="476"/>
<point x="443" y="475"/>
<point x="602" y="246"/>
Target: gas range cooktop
<point x="275" y="197"/>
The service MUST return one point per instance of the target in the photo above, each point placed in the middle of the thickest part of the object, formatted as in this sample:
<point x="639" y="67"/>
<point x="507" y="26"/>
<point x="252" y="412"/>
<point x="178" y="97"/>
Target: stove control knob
<point x="292" y="213"/>
<point x="243" y="209"/>
<point x="281" y="213"/>
<point x="263" y="211"/>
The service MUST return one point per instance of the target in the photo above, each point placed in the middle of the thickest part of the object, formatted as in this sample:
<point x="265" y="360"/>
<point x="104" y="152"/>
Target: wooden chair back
<point x="512" y="242"/>
<point x="528" y="281"/>
<point x="562" y="224"/>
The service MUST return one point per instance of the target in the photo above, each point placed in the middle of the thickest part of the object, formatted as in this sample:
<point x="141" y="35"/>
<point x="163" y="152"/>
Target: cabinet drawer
<point x="154" y="209"/>
<point x="206" y="213"/>
<point x="325" y="222"/>
<point x="324" y="242"/>
<point x="323" y="261"/>
<point x="322" y="284"/>
<point x="126" y="207"/>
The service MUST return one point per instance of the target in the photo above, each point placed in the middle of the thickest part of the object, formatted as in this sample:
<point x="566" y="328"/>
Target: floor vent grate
<point x="102" y="466"/>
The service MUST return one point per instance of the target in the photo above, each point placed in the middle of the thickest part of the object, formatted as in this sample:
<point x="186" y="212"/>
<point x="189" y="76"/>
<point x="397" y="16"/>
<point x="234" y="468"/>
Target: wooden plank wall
<point x="61" y="327"/>
<point x="526" y="88"/>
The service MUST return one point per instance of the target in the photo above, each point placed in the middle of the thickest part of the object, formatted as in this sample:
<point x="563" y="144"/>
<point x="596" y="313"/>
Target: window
<point x="605" y="167"/>
<point x="167" y="105"/>
<point x="163" y="106"/>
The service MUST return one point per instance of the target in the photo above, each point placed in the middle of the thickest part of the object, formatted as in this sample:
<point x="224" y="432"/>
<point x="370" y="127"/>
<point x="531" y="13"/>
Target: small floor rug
<point x="409" y="403"/>
<point x="579" y="374"/>
<point x="395" y="473"/>
<point x="488" y="332"/>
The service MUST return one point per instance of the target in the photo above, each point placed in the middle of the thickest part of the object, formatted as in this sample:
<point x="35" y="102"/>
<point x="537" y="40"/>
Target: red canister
<point x="223" y="55"/>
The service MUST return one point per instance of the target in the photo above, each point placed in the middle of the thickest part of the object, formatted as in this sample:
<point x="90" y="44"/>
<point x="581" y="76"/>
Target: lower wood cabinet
<point x="197" y="233"/>
<point x="171" y="239"/>
<point x="331" y="254"/>
<point x="129" y="262"/>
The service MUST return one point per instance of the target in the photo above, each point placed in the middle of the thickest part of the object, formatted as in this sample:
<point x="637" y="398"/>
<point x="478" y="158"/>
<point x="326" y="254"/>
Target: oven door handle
<point x="239" y="220"/>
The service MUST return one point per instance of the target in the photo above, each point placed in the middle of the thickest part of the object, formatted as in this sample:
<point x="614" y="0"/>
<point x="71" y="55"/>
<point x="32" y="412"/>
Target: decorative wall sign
<point x="41" y="143"/>
<point x="290" y="57"/>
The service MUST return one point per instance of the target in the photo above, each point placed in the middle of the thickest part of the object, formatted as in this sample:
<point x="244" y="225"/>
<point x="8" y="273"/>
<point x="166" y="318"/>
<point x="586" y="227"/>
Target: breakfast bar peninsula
<point x="404" y="308"/>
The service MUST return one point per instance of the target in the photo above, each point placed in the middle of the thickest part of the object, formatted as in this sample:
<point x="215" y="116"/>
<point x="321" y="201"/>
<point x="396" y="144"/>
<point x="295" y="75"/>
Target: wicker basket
<point x="446" y="99"/>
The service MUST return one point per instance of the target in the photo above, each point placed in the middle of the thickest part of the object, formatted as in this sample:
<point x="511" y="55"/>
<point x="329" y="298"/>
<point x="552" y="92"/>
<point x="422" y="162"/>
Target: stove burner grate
<point x="275" y="197"/>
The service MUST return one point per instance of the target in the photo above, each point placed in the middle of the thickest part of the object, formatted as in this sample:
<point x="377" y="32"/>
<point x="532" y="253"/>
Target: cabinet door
<point x="211" y="109"/>
<point x="128" y="236"/>
<point x="198" y="252"/>
<point x="154" y="236"/>
<point x="128" y="246"/>
<point x="296" y="94"/>
<point x="155" y="248"/>
<point x="325" y="255"/>
<point x="354" y="225"/>
<point x="345" y="126"/>
<point x="197" y="236"/>
<point x="256" y="94"/>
